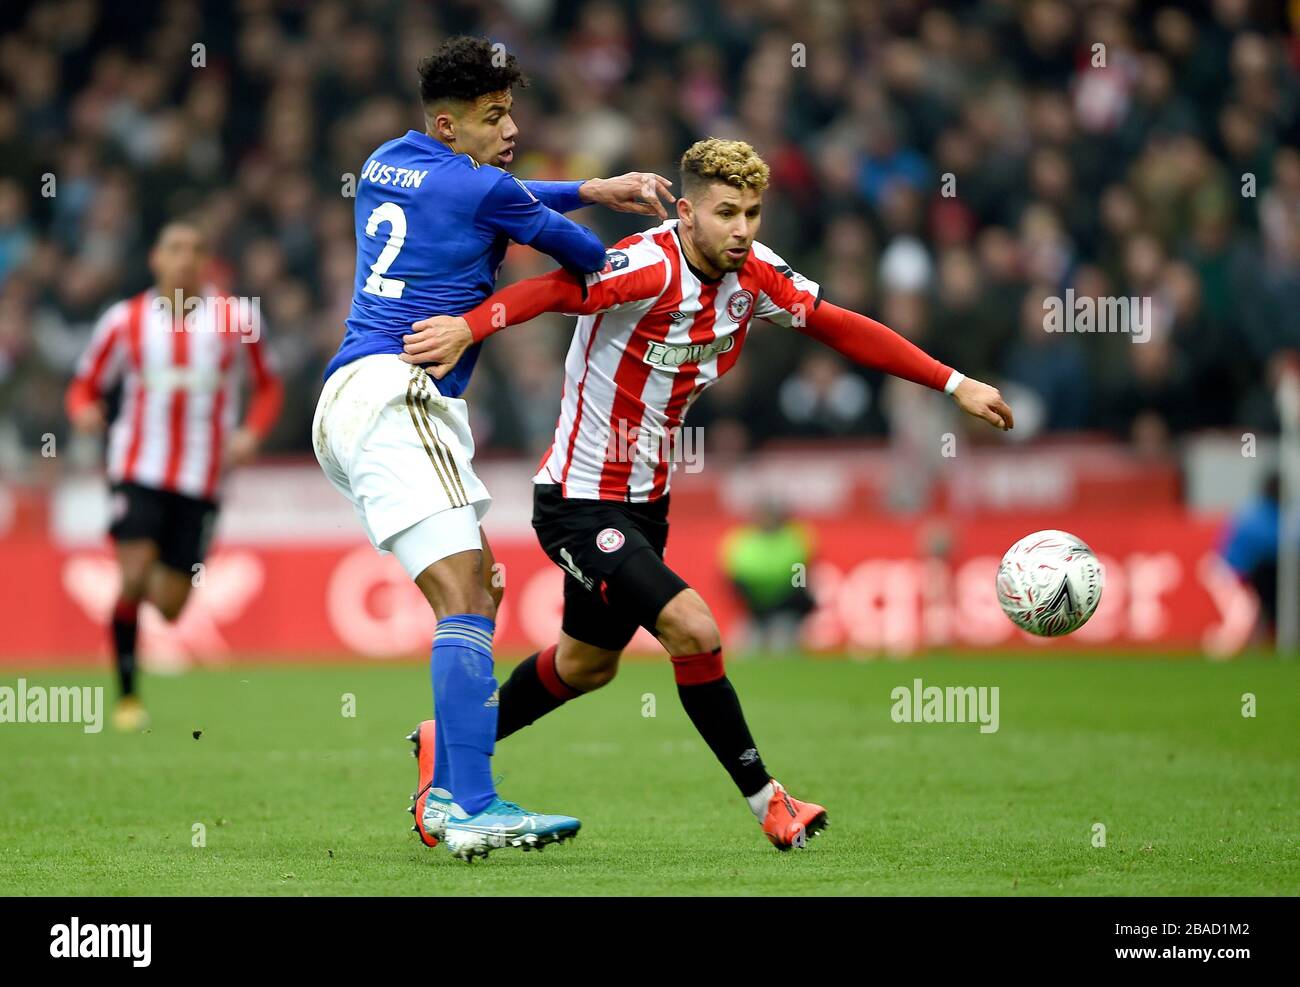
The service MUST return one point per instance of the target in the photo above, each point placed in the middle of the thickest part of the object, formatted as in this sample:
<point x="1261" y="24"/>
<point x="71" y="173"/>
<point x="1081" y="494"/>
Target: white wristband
<point x="954" y="381"/>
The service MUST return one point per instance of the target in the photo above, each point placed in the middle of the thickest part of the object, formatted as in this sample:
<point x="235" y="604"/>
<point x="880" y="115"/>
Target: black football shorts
<point x="612" y="554"/>
<point x="180" y="526"/>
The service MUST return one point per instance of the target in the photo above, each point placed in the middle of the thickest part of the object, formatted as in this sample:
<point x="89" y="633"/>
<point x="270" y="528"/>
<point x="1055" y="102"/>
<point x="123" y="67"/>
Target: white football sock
<point x="758" y="801"/>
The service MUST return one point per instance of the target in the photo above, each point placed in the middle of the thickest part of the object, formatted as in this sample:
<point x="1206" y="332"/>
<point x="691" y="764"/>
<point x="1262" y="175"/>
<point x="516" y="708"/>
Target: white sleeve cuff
<point x="954" y="380"/>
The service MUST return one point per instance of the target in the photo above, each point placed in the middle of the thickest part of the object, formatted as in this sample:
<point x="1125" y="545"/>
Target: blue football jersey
<point x="432" y="227"/>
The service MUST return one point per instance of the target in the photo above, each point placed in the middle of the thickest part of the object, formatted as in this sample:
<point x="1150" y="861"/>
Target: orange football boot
<point x="789" y="822"/>
<point x="422" y="738"/>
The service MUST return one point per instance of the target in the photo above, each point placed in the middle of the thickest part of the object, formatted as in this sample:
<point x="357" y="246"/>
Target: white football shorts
<point x="401" y="453"/>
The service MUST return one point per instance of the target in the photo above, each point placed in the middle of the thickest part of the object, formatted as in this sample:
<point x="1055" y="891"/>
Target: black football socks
<point x="125" y="625"/>
<point x="533" y="690"/>
<point x="711" y="702"/>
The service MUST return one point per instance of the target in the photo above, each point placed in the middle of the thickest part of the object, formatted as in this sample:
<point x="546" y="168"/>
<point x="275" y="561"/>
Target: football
<point x="1049" y="583"/>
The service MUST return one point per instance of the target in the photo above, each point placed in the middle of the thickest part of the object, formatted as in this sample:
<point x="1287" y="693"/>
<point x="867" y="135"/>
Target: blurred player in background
<point x="766" y="563"/>
<point x="435" y="212"/>
<point x="663" y="319"/>
<point x="178" y="349"/>
<point x="1250" y="546"/>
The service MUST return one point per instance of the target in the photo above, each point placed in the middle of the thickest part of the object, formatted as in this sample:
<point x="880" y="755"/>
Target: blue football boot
<point x="503" y="824"/>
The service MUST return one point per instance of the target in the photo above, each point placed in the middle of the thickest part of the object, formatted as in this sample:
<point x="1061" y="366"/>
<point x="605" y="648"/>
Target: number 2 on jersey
<point x="390" y="213"/>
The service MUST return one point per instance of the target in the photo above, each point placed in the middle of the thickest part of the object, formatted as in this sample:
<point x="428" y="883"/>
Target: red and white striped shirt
<point x="180" y="395"/>
<point x="652" y="334"/>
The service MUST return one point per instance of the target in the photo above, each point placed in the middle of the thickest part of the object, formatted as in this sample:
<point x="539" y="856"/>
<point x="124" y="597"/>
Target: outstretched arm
<point x="637" y="192"/>
<point x="635" y="273"/>
<point x="789" y="299"/>
<point x="439" y="341"/>
<point x="869" y="343"/>
<point x="560" y="196"/>
<point x="532" y="212"/>
<point x="511" y="209"/>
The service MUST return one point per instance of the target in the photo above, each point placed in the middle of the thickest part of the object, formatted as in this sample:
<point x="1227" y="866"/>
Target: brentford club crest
<point x="739" y="304"/>
<point x="610" y="540"/>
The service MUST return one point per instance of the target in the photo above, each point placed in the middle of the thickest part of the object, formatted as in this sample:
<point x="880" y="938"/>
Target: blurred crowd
<point x="940" y="167"/>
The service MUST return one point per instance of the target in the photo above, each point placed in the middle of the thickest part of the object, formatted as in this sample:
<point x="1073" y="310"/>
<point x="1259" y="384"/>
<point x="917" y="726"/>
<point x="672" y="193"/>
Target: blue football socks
<point x="466" y="709"/>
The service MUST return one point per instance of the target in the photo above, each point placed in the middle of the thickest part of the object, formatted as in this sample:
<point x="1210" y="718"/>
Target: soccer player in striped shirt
<point x="176" y="432"/>
<point x="664" y="319"/>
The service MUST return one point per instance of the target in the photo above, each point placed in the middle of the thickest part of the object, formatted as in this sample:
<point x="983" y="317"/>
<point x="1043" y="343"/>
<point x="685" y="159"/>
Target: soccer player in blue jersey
<point x="435" y="211"/>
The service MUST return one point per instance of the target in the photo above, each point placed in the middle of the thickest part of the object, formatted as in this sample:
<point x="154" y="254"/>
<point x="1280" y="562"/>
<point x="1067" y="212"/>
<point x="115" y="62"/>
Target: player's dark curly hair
<point x="466" y="68"/>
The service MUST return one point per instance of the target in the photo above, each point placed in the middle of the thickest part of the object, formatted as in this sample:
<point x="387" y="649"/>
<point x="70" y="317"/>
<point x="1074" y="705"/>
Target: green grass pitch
<point x="298" y="799"/>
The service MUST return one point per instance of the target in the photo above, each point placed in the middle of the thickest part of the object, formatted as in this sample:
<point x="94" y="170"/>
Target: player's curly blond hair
<point x="716" y="160"/>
